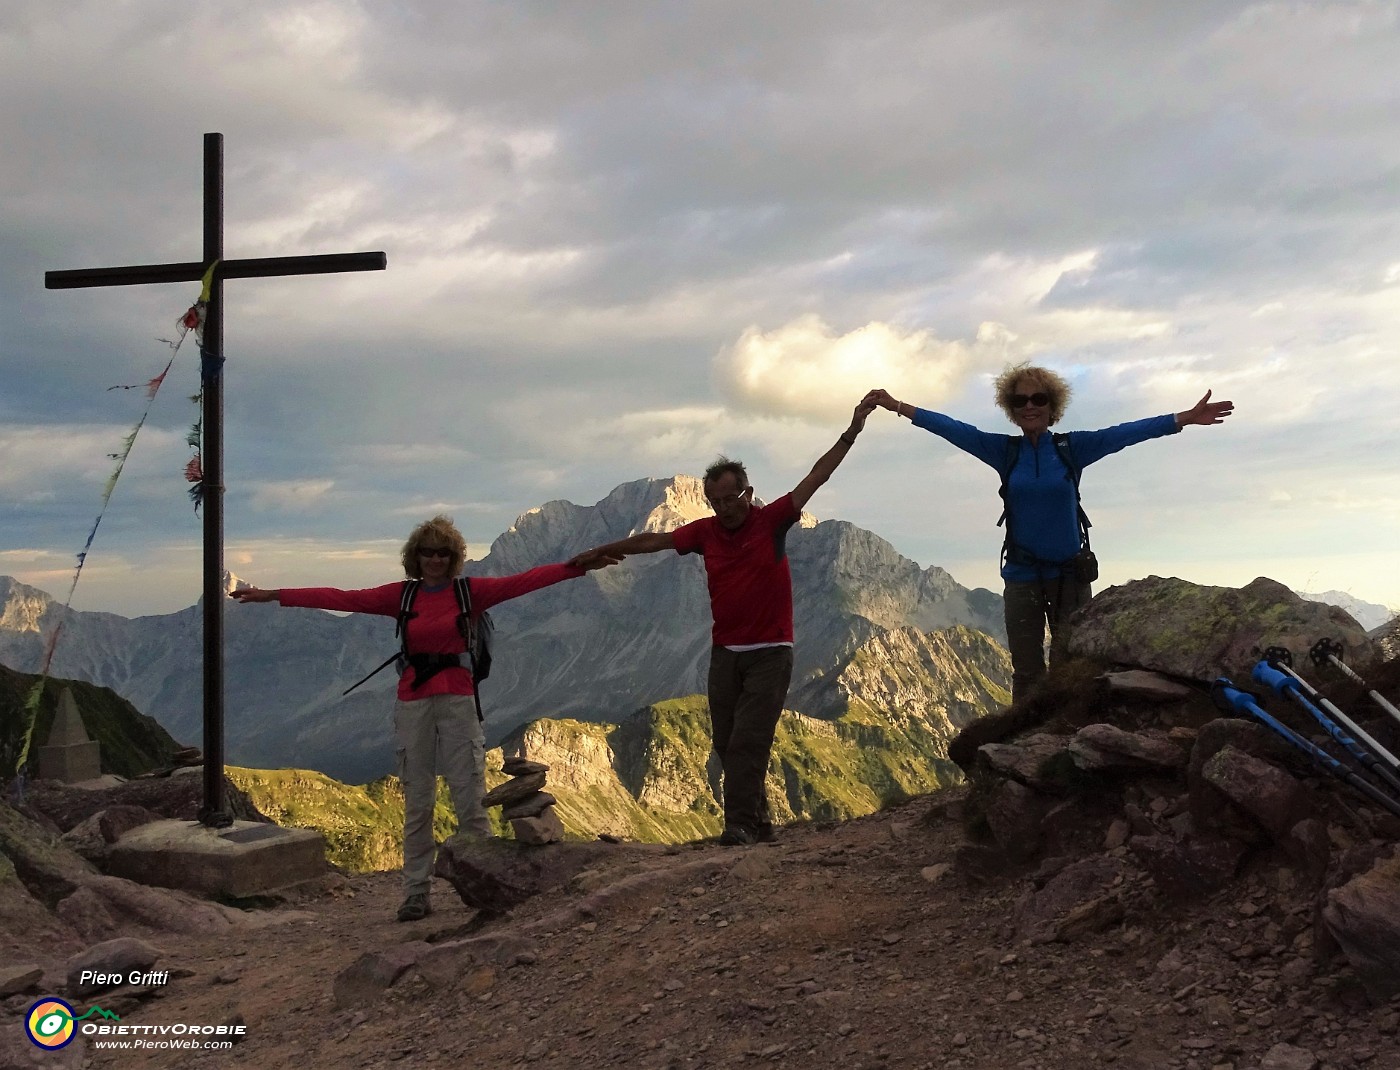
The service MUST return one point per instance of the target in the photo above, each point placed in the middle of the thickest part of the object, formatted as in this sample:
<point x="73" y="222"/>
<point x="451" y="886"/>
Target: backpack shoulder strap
<point x="462" y="588"/>
<point x="1061" y="441"/>
<point x="406" y="614"/>
<point x="1013" y="454"/>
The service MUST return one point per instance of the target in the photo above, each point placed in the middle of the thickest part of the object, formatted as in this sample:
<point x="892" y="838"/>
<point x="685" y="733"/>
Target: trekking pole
<point x="1229" y="697"/>
<point x="1325" y="650"/>
<point x="1282" y="658"/>
<point x="1275" y="671"/>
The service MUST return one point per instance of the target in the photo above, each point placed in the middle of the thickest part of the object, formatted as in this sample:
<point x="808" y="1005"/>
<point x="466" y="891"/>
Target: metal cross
<point x="212" y="813"/>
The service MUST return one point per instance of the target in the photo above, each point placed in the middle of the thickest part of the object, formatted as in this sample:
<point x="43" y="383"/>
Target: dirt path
<point x="838" y="947"/>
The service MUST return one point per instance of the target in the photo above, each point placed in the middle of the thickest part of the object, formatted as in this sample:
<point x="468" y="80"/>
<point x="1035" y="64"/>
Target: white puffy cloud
<point x="806" y="369"/>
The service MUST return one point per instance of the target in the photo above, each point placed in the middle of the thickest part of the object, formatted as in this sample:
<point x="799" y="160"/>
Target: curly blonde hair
<point x="1044" y="379"/>
<point x="441" y="532"/>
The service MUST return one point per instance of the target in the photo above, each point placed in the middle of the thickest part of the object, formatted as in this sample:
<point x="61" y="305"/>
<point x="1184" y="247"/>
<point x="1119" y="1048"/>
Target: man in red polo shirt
<point x="746" y="569"/>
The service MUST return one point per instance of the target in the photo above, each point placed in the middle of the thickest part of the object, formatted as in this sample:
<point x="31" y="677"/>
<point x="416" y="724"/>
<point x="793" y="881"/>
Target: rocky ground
<point x="1131" y="879"/>
<point x="869" y="944"/>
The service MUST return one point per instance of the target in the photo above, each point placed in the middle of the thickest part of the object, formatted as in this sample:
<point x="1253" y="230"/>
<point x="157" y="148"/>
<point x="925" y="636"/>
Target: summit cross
<point x="212" y="812"/>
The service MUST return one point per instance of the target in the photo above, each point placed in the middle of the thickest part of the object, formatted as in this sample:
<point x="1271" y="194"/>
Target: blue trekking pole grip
<point x="1239" y="700"/>
<point x="1266" y="674"/>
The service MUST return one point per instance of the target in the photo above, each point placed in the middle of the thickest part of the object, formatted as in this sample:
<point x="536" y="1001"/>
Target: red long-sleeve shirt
<point x="433" y="629"/>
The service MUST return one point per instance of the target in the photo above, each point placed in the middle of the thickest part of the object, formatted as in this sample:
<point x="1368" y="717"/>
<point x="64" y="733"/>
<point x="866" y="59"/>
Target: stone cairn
<point x="524" y="803"/>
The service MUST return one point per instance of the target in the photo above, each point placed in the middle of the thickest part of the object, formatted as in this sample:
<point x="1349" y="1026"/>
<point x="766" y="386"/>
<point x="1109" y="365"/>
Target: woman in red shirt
<point x="435" y="719"/>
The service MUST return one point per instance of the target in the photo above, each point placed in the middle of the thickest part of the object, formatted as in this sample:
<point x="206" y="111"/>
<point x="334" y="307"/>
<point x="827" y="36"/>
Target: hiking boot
<point x="735" y="836"/>
<point x="765" y="833"/>
<point x="415" y="907"/>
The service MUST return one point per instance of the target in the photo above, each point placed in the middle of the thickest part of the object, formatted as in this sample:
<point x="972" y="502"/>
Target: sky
<point x="623" y="238"/>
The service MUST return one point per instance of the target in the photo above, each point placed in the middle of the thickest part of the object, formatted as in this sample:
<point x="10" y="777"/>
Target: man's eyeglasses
<point x="728" y="500"/>
<point x="1021" y="400"/>
<point x="434" y="551"/>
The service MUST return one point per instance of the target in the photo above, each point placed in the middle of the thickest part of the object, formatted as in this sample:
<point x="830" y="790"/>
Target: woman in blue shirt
<point x="1042" y="505"/>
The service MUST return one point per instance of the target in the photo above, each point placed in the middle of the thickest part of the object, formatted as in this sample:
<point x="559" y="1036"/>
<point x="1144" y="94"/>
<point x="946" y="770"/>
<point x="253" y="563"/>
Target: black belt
<point x="426" y="666"/>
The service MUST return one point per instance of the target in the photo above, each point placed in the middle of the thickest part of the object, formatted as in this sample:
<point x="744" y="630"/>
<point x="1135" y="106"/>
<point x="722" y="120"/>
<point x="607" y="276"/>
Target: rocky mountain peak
<point x="682" y="501"/>
<point x="23" y="606"/>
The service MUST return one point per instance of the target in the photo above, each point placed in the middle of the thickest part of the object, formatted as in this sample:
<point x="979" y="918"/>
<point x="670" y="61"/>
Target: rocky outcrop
<point x="54" y="903"/>
<point x="1387" y="638"/>
<point x="1183" y="798"/>
<point x="1187" y="630"/>
<point x="178" y="796"/>
<point x="1363" y="916"/>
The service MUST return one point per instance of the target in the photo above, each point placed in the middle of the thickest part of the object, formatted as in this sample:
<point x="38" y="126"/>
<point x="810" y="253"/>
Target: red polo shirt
<point x="747" y="573"/>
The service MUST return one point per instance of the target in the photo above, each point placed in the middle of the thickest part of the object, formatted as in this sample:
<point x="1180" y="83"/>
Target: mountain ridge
<point x="591" y="649"/>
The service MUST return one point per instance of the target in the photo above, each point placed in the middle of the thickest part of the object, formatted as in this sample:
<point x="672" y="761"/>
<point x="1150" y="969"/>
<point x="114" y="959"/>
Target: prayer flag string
<point x="192" y="320"/>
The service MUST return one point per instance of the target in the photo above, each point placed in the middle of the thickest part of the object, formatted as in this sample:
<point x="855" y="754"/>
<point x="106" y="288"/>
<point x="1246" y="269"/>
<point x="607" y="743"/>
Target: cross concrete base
<point x="246" y="859"/>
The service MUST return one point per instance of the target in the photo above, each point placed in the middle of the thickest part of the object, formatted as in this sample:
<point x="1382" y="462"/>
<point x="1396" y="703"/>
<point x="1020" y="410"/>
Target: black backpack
<point x="1084" y="560"/>
<point x="477" y="634"/>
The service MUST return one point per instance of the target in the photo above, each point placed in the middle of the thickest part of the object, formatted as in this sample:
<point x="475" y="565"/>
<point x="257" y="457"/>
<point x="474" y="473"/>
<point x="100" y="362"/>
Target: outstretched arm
<point x="1205" y="412"/>
<point x="254" y="594"/>
<point x="828" y="462"/>
<point x="647" y="542"/>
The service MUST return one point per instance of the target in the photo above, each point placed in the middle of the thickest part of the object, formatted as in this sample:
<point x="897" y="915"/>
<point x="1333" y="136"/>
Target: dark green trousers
<point x="1030" y="609"/>
<point x="747" y="692"/>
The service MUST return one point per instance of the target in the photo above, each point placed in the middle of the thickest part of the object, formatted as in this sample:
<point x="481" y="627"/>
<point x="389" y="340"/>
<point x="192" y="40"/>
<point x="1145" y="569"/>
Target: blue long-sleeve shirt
<point x="1040" y="492"/>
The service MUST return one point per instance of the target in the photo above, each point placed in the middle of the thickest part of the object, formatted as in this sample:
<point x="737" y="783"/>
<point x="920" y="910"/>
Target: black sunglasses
<point x="1020" y="400"/>
<point x="435" y="551"/>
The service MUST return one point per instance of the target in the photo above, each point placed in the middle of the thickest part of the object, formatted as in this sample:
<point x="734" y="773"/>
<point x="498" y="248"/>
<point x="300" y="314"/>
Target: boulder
<point x="1184" y="629"/>
<point x="1108" y="748"/>
<point x="1261" y="789"/>
<point x="1026" y="760"/>
<point x="114" y="958"/>
<point x="1211" y="810"/>
<point x="1014" y="813"/>
<point x="92" y="836"/>
<point x="367" y="978"/>
<point x="1363" y="916"/>
<point x="16" y="979"/>
<point x="494" y="876"/>
<point x="1141" y="685"/>
<point x="106" y="905"/>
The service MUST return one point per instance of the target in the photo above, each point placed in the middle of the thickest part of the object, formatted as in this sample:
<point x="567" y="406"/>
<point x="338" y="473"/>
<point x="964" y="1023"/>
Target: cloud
<point x="291" y="495"/>
<point x="806" y="369"/>
<point x="32" y="458"/>
<point x="618" y="246"/>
